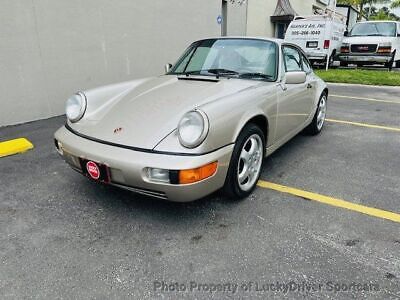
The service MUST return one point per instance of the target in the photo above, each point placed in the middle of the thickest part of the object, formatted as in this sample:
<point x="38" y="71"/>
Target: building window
<point x="280" y="30"/>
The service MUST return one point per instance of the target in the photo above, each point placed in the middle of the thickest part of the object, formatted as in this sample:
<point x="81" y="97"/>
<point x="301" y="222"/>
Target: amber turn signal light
<point x="195" y="175"/>
<point x="384" y="49"/>
<point x="345" y="50"/>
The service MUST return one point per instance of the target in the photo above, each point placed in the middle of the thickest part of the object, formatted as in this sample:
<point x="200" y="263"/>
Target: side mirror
<point x="346" y="33"/>
<point x="167" y="68"/>
<point x="296" y="77"/>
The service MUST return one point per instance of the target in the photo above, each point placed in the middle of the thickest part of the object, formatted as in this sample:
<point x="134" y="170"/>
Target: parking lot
<point x="62" y="234"/>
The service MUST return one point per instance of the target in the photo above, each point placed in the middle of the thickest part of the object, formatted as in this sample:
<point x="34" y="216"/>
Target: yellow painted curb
<point x="15" y="146"/>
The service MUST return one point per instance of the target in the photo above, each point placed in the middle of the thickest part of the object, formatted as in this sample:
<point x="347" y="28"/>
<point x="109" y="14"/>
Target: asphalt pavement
<point x="63" y="236"/>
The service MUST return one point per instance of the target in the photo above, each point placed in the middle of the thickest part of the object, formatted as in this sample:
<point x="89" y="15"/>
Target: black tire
<point x="332" y="59"/>
<point x="398" y="64"/>
<point x="314" y="128"/>
<point x="232" y="188"/>
<point x="389" y="64"/>
<point x="344" y="64"/>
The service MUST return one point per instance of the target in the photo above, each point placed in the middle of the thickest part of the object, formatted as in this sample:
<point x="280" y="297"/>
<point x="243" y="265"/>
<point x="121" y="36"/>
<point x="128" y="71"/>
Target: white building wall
<point x="237" y="19"/>
<point x="52" y="48"/>
<point x="258" y="17"/>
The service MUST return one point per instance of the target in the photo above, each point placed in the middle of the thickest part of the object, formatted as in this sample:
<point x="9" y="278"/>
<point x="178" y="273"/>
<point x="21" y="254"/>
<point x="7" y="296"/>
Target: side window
<point x="292" y="59"/>
<point x="306" y="65"/>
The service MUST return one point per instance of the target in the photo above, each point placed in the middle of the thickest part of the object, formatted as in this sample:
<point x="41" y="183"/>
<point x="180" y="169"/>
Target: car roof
<point x="278" y="41"/>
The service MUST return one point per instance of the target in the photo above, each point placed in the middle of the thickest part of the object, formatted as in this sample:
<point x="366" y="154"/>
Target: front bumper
<point x="365" y="58"/>
<point x="127" y="167"/>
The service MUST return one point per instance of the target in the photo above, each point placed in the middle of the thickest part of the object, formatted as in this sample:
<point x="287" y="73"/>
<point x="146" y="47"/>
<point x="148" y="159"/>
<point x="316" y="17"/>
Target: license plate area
<point x="312" y="44"/>
<point x="94" y="170"/>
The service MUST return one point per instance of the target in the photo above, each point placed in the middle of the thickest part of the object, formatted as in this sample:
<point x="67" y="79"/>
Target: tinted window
<point x="292" y="59"/>
<point x="241" y="58"/>
<point x="306" y="65"/>
<point x="374" y="29"/>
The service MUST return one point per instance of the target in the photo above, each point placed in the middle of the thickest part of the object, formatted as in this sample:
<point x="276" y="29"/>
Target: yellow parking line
<point x="375" y="212"/>
<point x="364" y="125"/>
<point x="14" y="146"/>
<point x="366" y="99"/>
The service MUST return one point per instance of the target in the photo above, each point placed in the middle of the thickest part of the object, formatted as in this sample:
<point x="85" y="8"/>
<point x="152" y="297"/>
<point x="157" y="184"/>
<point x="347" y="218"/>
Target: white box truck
<point x="320" y="36"/>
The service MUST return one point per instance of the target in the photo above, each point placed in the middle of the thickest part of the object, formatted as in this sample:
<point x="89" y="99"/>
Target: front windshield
<point x="374" y="29"/>
<point x="239" y="58"/>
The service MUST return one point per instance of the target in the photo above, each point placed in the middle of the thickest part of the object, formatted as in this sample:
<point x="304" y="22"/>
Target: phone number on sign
<point x="306" y="32"/>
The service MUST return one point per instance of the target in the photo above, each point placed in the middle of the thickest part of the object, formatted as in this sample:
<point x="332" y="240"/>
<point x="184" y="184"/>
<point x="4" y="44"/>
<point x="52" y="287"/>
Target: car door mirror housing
<point x="167" y="68"/>
<point x="296" y="77"/>
<point x="346" y="33"/>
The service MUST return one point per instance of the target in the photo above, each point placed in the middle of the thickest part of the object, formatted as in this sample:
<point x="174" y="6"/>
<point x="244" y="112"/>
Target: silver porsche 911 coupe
<point x="207" y="124"/>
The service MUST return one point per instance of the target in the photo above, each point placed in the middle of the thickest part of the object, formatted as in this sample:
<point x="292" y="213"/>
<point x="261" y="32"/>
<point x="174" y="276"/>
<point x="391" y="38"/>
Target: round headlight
<point x="193" y="128"/>
<point x="75" y="107"/>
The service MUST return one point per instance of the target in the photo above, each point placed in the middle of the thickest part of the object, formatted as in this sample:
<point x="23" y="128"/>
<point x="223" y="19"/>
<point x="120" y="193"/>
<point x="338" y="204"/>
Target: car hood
<point x="142" y="114"/>
<point x="368" y="39"/>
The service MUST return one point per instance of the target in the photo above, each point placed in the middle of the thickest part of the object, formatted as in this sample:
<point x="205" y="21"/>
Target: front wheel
<point x="389" y="64"/>
<point x="246" y="162"/>
<point x="319" y="118"/>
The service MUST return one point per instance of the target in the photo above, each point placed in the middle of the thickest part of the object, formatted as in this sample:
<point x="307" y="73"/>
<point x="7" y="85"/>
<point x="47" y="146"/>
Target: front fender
<point x="227" y="118"/>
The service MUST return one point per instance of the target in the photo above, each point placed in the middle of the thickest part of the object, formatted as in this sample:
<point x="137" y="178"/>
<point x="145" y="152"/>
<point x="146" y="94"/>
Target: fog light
<point x="157" y="175"/>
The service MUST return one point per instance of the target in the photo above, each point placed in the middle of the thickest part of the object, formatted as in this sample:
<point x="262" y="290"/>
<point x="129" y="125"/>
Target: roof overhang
<point x="283" y="12"/>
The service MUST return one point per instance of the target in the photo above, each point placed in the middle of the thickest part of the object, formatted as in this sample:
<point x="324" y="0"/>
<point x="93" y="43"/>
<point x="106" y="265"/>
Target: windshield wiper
<point x="188" y="73"/>
<point x="255" y="75"/>
<point x="222" y="72"/>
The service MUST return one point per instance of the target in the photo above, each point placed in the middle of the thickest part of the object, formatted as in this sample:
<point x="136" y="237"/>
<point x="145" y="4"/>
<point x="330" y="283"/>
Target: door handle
<point x="283" y="86"/>
<point x="309" y="86"/>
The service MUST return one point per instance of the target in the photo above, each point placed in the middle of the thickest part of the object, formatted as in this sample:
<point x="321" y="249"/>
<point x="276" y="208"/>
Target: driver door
<point x="295" y="100"/>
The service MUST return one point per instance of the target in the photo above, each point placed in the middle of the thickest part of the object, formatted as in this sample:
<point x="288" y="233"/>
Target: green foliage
<point x="367" y="77"/>
<point x="395" y="4"/>
<point x="383" y="13"/>
<point x="371" y="12"/>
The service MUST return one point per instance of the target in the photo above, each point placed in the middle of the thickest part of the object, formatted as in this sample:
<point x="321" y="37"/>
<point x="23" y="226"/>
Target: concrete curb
<point x="365" y="86"/>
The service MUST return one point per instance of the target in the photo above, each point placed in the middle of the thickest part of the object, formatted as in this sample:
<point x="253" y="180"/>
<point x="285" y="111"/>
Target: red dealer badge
<point x="93" y="170"/>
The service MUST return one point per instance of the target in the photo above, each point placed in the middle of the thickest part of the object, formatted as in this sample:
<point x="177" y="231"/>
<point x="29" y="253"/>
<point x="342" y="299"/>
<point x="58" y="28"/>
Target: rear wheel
<point x="246" y="162"/>
<point x="332" y="59"/>
<point x="398" y="64"/>
<point x="344" y="64"/>
<point x="319" y="118"/>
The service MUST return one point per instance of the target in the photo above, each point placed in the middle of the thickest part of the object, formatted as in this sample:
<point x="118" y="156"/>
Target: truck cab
<point x="372" y="42"/>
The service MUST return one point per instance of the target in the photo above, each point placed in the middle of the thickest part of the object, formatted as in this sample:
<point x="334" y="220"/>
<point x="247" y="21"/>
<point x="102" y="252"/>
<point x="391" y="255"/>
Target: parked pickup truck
<point x="372" y="42"/>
